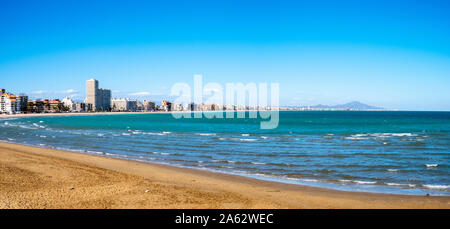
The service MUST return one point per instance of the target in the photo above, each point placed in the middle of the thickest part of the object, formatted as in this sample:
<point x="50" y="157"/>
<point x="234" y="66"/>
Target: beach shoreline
<point x="34" y="177"/>
<point x="6" y="116"/>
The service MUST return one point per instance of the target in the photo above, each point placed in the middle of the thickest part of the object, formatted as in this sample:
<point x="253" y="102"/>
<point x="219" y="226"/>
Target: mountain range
<point x="354" y="105"/>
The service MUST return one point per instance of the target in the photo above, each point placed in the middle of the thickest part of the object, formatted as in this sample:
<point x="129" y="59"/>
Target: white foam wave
<point x="364" y="182"/>
<point x="247" y="140"/>
<point x="395" y="184"/>
<point x="431" y="165"/>
<point x="309" y="180"/>
<point x="404" y="135"/>
<point x="355" y="138"/>
<point x="436" y="186"/>
<point x="205" y="134"/>
<point x="258" y="163"/>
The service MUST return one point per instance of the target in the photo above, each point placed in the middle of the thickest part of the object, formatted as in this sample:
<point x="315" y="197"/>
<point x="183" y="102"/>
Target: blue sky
<point x="392" y="54"/>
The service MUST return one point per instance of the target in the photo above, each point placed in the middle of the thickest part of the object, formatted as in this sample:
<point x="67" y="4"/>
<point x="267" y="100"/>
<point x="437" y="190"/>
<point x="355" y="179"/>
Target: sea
<point x="399" y="152"/>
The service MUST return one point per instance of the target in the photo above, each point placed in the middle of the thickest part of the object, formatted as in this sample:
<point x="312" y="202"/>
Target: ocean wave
<point x="355" y="138"/>
<point x="405" y="185"/>
<point x="28" y="127"/>
<point x="309" y="180"/>
<point x="364" y="182"/>
<point x="395" y="184"/>
<point x="248" y="139"/>
<point x="383" y="135"/>
<point x="205" y="134"/>
<point x="259" y="163"/>
<point x="436" y="186"/>
<point x="150" y="133"/>
<point x="431" y="165"/>
<point x="245" y="135"/>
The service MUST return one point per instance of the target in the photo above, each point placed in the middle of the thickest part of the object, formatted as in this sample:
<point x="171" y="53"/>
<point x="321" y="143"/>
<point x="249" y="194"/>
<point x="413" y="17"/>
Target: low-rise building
<point x="166" y="105"/>
<point x="80" y="107"/>
<point x="53" y="106"/>
<point x="148" y="105"/>
<point x="69" y="103"/>
<point x="123" y="104"/>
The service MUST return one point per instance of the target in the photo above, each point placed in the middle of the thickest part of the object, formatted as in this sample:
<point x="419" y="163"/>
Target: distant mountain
<point x="355" y="105"/>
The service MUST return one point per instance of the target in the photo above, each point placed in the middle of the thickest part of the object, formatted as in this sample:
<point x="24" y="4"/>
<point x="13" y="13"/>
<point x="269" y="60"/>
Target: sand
<point x="76" y="114"/>
<point x="37" y="178"/>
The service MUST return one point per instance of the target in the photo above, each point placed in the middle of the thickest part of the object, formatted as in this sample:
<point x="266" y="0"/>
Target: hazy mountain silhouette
<point x="351" y="105"/>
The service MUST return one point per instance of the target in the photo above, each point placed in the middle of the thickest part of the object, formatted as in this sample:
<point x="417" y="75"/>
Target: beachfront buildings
<point x="148" y="105"/>
<point x="80" y="107"/>
<point x="10" y="104"/>
<point x="53" y="106"/>
<point x="125" y="104"/>
<point x="166" y="105"/>
<point x="70" y="104"/>
<point x="97" y="99"/>
<point x="22" y="99"/>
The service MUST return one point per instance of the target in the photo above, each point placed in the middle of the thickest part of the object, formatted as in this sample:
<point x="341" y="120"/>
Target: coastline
<point x="143" y="112"/>
<point x="75" y="114"/>
<point x="34" y="177"/>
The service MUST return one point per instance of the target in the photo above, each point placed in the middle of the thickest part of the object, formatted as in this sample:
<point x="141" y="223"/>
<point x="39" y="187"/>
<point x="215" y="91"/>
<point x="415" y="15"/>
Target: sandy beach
<point x="32" y="177"/>
<point x="74" y="114"/>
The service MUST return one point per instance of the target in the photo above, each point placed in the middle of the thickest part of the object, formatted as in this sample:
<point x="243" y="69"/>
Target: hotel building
<point x="123" y="104"/>
<point x="9" y="103"/>
<point x="97" y="99"/>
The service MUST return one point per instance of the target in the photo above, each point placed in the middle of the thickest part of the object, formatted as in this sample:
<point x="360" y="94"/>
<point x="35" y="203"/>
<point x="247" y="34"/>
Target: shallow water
<point x="389" y="152"/>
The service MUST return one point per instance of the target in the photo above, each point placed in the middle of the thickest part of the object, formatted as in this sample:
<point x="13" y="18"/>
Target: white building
<point x="69" y="103"/>
<point x="97" y="98"/>
<point x="9" y="103"/>
<point x="123" y="104"/>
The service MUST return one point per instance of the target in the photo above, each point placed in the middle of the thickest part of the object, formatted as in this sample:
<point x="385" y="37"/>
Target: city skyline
<point x="319" y="53"/>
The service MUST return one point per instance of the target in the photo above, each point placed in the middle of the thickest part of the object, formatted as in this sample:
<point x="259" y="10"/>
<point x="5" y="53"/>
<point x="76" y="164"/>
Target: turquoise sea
<point x="381" y="151"/>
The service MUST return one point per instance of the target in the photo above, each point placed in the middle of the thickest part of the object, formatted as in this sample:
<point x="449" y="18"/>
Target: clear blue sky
<point x="392" y="54"/>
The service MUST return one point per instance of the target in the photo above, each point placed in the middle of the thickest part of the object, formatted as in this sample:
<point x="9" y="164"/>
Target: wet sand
<point x="32" y="177"/>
